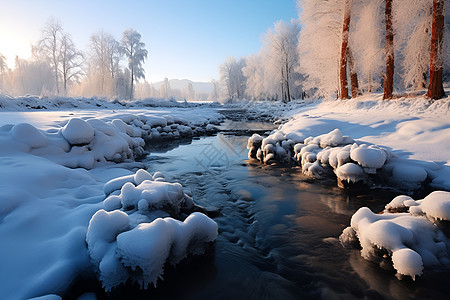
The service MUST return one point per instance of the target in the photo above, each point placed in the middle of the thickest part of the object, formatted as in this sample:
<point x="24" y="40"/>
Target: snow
<point x="64" y="183"/>
<point x="78" y="132"/>
<point x="412" y="238"/>
<point x="53" y="169"/>
<point x="405" y="141"/>
<point x="146" y="233"/>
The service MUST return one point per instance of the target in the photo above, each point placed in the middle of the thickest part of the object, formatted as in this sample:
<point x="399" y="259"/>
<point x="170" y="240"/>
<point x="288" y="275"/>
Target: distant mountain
<point x="181" y="84"/>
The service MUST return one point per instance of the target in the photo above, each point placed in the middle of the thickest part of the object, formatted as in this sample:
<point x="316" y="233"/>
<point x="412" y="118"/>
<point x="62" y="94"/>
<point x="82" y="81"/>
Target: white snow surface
<point x="414" y="130"/>
<point x="53" y="168"/>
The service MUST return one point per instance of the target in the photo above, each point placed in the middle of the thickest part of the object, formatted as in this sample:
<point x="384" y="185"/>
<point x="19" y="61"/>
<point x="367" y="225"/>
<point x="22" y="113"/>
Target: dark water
<point x="278" y="233"/>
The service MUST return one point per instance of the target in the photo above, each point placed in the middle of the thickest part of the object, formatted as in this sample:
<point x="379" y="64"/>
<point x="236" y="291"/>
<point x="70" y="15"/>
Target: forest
<point x="335" y="49"/>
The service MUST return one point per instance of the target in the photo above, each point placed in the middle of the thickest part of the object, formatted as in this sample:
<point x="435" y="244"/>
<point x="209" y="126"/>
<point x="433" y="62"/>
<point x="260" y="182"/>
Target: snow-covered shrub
<point x="410" y="239"/>
<point x="140" y="229"/>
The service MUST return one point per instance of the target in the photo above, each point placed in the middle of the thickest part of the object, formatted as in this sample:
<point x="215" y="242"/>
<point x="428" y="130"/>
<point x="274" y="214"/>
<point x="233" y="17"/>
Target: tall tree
<point x="3" y="69"/>
<point x="164" y="90"/>
<point x="233" y="78"/>
<point x="281" y="45"/>
<point x="136" y="54"/>
<point x="104" y="60"/>
<point x="435" y="87"/>
<point x="343" y="91"/>
<point x="320" y="41"/>
<point x="71" y="61"/>
<point x="389" y="52"/>
<point x="49" y="47"/>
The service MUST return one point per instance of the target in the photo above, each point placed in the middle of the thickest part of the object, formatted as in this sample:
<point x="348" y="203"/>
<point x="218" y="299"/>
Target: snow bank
<point x="136" y="241"/>
<point x="32" y="102"/>
<point x="88" y="143"/>
<point x="411" y="238"/>
<point x="350" y="161"/>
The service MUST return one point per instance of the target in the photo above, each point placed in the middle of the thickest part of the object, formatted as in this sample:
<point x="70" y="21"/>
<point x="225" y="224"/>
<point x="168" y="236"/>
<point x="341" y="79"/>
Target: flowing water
<point x="278" y="231"/>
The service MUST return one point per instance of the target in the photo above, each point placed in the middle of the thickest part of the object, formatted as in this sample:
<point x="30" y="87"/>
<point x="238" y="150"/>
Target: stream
<point x="278" y="230"/>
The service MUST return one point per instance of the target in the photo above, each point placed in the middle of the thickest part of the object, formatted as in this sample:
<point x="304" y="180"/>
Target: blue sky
<point x="185" y="39"/>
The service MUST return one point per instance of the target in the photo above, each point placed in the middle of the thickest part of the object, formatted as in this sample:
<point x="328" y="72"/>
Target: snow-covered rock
<point x="141" y="228"/>
<point x="351" y="162"/>
<point x="78" y="132"/>
<point x="411" y="238"/>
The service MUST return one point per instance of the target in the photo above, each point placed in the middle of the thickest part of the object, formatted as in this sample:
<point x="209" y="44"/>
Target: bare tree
<point x="104" y="60"/>
<point x="71" y="61"/>
<point x="435" y="87"/>
<point x="136" y="54"/>
<point x="389" y="52"/>
<point x="232" y="77"/>
<point x="3" y="69"/>
<point x="49" y="46"/>
<point x="165" y="89"/>
<point x="281" y="45"/>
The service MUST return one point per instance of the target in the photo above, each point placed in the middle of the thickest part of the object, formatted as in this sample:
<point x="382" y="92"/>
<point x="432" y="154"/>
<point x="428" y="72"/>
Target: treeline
<point x="347" y="47"/>
<point x="58" y="68"/>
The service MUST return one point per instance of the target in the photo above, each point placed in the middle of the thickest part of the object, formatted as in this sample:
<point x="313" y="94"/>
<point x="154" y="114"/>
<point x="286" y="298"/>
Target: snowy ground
<point x="54" y="169"/>
<point x="56" y="172"/>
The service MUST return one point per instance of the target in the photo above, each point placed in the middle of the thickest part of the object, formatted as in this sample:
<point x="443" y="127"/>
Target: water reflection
<point x="278" y="233"/>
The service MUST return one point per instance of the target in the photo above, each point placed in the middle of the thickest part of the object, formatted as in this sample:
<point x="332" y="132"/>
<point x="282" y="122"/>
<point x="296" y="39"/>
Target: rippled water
<point x="278" y="233"/>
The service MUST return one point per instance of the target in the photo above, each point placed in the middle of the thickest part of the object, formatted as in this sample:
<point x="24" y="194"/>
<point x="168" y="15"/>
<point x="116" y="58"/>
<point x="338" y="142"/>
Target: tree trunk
<point x="435" y="88"/>
<point x="344" y="45"/>
<point x="389" y="52"/>
<point x="353" y="75"/>
<point x="132" y="80"/>
<point x="288" y="90"/>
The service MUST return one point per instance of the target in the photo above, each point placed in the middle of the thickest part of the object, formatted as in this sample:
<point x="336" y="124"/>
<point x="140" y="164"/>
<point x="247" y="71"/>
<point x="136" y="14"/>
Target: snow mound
<point x="141" y="228"/>
<point x="412" y="239"/>
<point x="435" y="206"/>
<point x="149" y="246"/>
<point x="78" y="132"/>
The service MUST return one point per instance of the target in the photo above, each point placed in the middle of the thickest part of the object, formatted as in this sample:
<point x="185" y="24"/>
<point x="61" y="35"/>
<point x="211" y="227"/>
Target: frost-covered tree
<point x="104" y="61"/>
<point x="232" y="78"/>
<point x="366" y="43"/>
<point x="134" y="50"/>
<point x="257" y="77"/>
<point x="215" y="93"/>
<point x="164" y="91"/>
<point x="412" y="22"/>
<point x="280" y="45"/>
<point x="3" y="70"/>
<point x="319" y="45"/>
<point x="189" y="93"/>
<point x="30" y="77"/>
<point x="71" y="61"/>
<point x="48" y="47"/>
